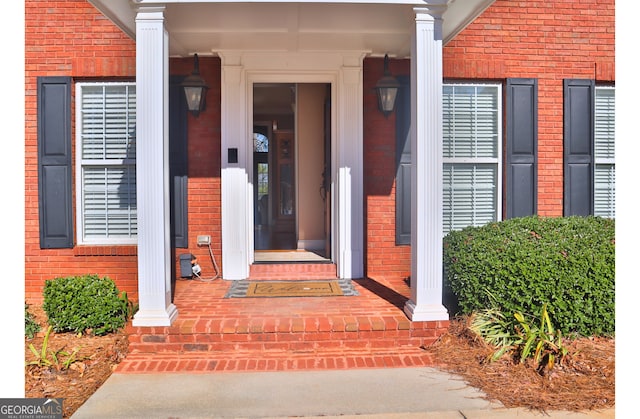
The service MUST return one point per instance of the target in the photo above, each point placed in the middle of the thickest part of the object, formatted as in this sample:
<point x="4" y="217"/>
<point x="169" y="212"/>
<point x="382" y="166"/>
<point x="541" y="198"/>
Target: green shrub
<point x="518" y="265"/>
<point x="85" y="304"/>
<point x="31" y="327"/>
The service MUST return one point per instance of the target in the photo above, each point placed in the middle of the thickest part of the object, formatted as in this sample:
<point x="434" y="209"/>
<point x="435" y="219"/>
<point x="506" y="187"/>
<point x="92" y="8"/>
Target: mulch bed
<point x="585" y="380"/>
<point x="96" y="359"/>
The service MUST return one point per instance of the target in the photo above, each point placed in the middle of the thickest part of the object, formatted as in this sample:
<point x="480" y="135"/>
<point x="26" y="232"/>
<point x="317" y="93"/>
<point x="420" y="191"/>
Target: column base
<point x="425" y="312"/>
<point x="159" y="318"/>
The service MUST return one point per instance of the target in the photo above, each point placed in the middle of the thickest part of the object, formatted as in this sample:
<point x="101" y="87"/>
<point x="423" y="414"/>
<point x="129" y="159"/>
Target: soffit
<point x="376" y="27"/>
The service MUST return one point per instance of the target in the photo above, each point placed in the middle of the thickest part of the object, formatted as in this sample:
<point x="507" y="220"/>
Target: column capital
<point x="434" y="8"/>
<point x="149" y="11"/>
<point x="353" y="60"/>
<point x="430" y="19"/>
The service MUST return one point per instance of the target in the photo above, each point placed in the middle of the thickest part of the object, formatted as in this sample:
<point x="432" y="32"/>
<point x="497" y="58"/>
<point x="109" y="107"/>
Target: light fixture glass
<point x="387" y="90"/>
<point x="195" y="89"/>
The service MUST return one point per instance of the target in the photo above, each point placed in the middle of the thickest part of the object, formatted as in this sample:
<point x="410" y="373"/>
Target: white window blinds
<point x="106" y="118"/>
<point x="471" y="155"/>
<point x="604" y="153"/>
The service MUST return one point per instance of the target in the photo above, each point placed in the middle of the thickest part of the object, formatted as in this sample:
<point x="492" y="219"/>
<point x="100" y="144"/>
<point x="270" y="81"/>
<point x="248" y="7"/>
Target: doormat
<point x="266" y="289"/>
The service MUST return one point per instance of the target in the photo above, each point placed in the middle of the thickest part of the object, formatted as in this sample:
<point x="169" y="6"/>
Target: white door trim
<point x="343" y="70"/>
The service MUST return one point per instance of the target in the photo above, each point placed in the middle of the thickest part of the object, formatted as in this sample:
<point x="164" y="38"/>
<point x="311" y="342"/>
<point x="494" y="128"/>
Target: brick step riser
<point x="287" y="329"/>
<point x="198" y="362"/>
<point x="287" y="336"/>
<point x="293" y="271"/>
<point x="312" y="336"/>
<point x="328" y="337"/>
<point x="281" y="276"/>
<point x="260" y="348"/>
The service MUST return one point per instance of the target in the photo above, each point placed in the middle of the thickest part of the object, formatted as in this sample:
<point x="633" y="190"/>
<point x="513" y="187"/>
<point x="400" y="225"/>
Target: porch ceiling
<point x="377" y="27"/>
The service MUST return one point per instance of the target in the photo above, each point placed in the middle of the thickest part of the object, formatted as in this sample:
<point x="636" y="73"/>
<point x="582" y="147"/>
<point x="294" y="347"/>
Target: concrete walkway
<point x="391" y="393"/>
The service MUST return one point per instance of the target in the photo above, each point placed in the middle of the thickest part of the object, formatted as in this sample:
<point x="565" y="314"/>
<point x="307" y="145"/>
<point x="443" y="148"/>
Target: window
<point x="488" y="175"/>
<point x="471" y="155"/>
<point x="589" y="151"/>
<point x="604" y="153"/>
<point x="261" y="145"/>
<point x="106" y="163"/>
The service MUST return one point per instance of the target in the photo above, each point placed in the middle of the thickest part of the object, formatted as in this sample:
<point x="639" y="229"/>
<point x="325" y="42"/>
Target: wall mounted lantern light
<point x="195" y="89"/>
<point x="387" y="90"/>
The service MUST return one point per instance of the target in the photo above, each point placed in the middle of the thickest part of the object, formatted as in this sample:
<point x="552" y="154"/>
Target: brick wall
<point x="69" y="38"/>
<point x="548" y="40"/>
<point x="204" y="166"/>
<point x="383" y="258"/>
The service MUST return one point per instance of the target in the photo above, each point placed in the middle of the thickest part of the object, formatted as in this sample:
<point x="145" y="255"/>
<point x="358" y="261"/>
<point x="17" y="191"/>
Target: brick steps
<point x="213" y="333"/>
<point x="281" y="342"/>
<point x="273" y="361"/>
<point x="192" y="347"/>
<point x="282" y="271"/>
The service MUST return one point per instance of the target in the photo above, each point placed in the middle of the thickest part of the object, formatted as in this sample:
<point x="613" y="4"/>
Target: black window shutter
<point x="579" y="98"/>
<point x="522" y="147"/>
<point x="403" y="162"/>
<point x="178" y="159"/>
<point x="54" y="163"/>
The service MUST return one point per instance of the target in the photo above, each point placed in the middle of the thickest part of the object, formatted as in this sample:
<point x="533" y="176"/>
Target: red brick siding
<point x="551" y="41"/>
<point x="69" y="38"/>
<point x="383" y="258"/>
<point x="547" y="40"/>
<point x="204" y="167"/>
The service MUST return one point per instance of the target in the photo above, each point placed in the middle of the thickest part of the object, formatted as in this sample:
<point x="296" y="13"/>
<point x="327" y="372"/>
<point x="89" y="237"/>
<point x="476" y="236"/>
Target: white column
<point x="236" y="190"/>
<point x="350" y="171"/>
<point x="152" y="169"/>
<point x="426" y="168"/>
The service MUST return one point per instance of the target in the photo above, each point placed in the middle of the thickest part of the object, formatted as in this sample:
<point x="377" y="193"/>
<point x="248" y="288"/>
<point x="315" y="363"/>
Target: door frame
<point x="260" y="78"/>
<point x="343" y="72"/>
<point x="314" y="127"/>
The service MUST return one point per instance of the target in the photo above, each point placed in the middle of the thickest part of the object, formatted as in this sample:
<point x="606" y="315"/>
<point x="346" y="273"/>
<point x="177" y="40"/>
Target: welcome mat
<point x="265" y="289"/>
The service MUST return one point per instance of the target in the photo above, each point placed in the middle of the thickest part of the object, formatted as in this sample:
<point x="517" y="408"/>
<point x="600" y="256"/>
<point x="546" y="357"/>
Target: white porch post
<point x="152" y="169"/>
<point x="236" y="190"/>
<point x="426" y="166"/>
<point x="350" y="194"/>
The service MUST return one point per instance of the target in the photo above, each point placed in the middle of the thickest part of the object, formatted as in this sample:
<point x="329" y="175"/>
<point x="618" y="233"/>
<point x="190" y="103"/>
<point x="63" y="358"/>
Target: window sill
<point x="110" y="250"/>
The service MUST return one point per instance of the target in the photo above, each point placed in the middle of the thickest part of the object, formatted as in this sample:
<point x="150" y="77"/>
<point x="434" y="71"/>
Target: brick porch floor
<point x="213" y="333"/>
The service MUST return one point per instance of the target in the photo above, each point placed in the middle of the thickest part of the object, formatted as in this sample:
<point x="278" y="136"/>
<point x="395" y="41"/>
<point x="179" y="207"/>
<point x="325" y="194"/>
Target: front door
<point x="290" y="144"/>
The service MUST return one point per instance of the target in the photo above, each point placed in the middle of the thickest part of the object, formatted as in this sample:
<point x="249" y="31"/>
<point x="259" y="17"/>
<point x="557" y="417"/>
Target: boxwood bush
<point x="522" y="263"/>
<point x="85" y="304"/>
